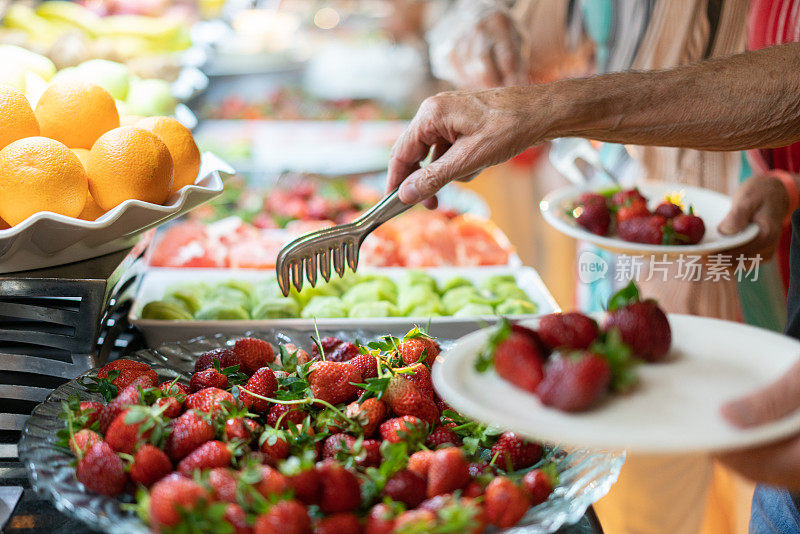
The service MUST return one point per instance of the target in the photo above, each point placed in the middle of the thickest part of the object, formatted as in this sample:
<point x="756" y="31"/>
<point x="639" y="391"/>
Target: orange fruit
<point x="40" y="174"/>
<point x="181" y="145"/>
<point x="91" y="211"/>
<point x="18" y="120"/>
<point x="129" y="162"/>
<point x="76" y="113"/>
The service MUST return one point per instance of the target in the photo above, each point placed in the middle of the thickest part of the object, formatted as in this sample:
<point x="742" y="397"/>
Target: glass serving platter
<point x="585" y="476"/>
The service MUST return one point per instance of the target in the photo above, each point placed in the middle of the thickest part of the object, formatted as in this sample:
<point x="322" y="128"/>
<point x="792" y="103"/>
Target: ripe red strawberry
<point x="370" y="454"/>
<point x="172" y="407"/>
<point x="225" y="357"/>
<point x="129" y="371"/>
<point x="173" y="389"/>
<point x="101" y="470"/>
<point x="223" y="481"/>
<point x="340" y="490"/>
<point x="82" y="441"/>
<point x="236" y="516"/>
<point x="210" y="378"/>
<point x="262" y="383"/>
<point x="572" y="331"/>
<point x="402" y="428"/>
<point x="208" y="455"/>
<point x="504" y="503"/>
<point x="415" y="521"/>
<point x="284" y="517"/>
<point x="380" y="520"/>
<point x="91" y="410"/>
<point x="333" y="381"/>
<point x="241" y="429"/>
<point x="404" y="398"/>
<point x="209" y="400"/>
<point x="592" y="213"/>
<point x="538" y="486"/>
<point x="510" y="452"/>
<point x="127" y="397"/>
<point x="124" y="437"/>
<point x="189" y="431"/>
<point x="668" y="210"/>
<point x="420" y="376"/>
<point x="335" y="349"/>
<point x="306" y="486"/>
<point x="626" y="196"/>
<point x="335" y="443"/>
<point x="517" y="358"/>
<point x="169" y="496"/>
<point x="150" y="464"/>
<point x="635" y="208"/>
<point x="644" y="327"/>
<point x="576" y="382"/>
<point x="338" y="524"/>
<point x="648" y="230"/>
<point x="253" y="354"/>
<point x="447" y="472"/>
<point x="420" y="462"/>
<point x="272" y="482"/>
<point x="275" y="446"/>
<point x="366" y="364"/>
<point x="294" y="416"/>
<point x="689" y="229"/>
<point x="369" y="414"/>
<point x="442" y="436"/>
<point x="411" y="349"/>
<point x="407" y="487"/>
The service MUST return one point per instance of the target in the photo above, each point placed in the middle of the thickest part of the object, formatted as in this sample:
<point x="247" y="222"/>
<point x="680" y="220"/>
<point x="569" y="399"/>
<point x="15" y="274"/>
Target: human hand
<point x="762" y="200"/>
<point x="489" y="54"/>
<point x="468" y="131"/>
<point x="778" y="463"/>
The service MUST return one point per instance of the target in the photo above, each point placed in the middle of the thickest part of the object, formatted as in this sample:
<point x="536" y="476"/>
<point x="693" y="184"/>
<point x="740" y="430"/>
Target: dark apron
<point x="775" y="510"/>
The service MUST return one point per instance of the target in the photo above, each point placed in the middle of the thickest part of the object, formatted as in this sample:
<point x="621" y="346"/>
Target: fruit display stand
<point x="50" y="322"/>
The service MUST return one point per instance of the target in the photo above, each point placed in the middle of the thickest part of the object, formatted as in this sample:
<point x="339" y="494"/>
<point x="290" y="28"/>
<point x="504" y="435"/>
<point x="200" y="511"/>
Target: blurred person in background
<point x="489" y="43"/>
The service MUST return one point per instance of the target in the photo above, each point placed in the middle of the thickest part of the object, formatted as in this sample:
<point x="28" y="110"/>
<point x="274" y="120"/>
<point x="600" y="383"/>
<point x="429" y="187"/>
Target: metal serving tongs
<point x="313" y="251"/>
<point x="580" y="162"/>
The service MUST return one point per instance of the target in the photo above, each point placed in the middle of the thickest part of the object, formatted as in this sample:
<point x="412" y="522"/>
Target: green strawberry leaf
<point x="486" y="356"/>
<point x="627" y="295"/>
<point x="619" y="357"/>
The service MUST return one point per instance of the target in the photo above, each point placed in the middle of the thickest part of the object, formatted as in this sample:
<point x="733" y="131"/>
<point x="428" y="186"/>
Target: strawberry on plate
<point x="591" y="211"/>
<point x="647" y="229"/>
<point x="575" y="382"/>
<point x="642" y="324"/>
<point x="516" y="357"/>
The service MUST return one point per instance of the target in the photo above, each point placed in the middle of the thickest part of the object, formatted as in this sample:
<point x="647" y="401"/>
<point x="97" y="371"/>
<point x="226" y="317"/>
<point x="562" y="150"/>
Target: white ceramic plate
<point x="709" y="205"/>
<point x="674" y="408"/>
<point x="156" y="281"/>
<point x="46" y="239"/>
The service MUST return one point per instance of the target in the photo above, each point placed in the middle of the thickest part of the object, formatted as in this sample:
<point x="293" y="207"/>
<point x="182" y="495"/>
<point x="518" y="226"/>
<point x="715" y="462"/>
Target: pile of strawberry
<point x="569" y="362"/>
<point x="626" y="214"/>
<point x="345" y="439"/>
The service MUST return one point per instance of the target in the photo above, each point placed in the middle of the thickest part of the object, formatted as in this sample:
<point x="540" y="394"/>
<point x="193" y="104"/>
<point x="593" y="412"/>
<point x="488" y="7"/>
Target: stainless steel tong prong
<point x="316" y="251"/>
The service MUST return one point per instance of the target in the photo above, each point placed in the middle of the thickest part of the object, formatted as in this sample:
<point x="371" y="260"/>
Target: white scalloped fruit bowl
<point x="46" y="239"/>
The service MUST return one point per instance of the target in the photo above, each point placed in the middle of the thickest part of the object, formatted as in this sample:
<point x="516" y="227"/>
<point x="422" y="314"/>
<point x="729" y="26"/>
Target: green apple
<point x="150" y="97"/>
<point x="112" y="76"/>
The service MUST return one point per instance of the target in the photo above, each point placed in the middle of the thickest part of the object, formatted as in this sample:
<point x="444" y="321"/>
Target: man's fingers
<point x="770" y="403"/>
<point x="452" y="165"/>
<point x="740" y="215"/>
<point x="774" y="464"/>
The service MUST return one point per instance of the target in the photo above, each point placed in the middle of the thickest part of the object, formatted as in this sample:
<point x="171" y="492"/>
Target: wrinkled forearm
<point x="750" y="100"/>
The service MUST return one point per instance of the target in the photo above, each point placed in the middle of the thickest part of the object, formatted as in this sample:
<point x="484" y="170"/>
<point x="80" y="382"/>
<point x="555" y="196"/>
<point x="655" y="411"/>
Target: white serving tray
<point x="46" y="239"/>
<point x="155" y="281"/>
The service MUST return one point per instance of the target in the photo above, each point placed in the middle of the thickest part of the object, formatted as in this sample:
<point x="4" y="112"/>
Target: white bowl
<point x="46" y="239"/>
